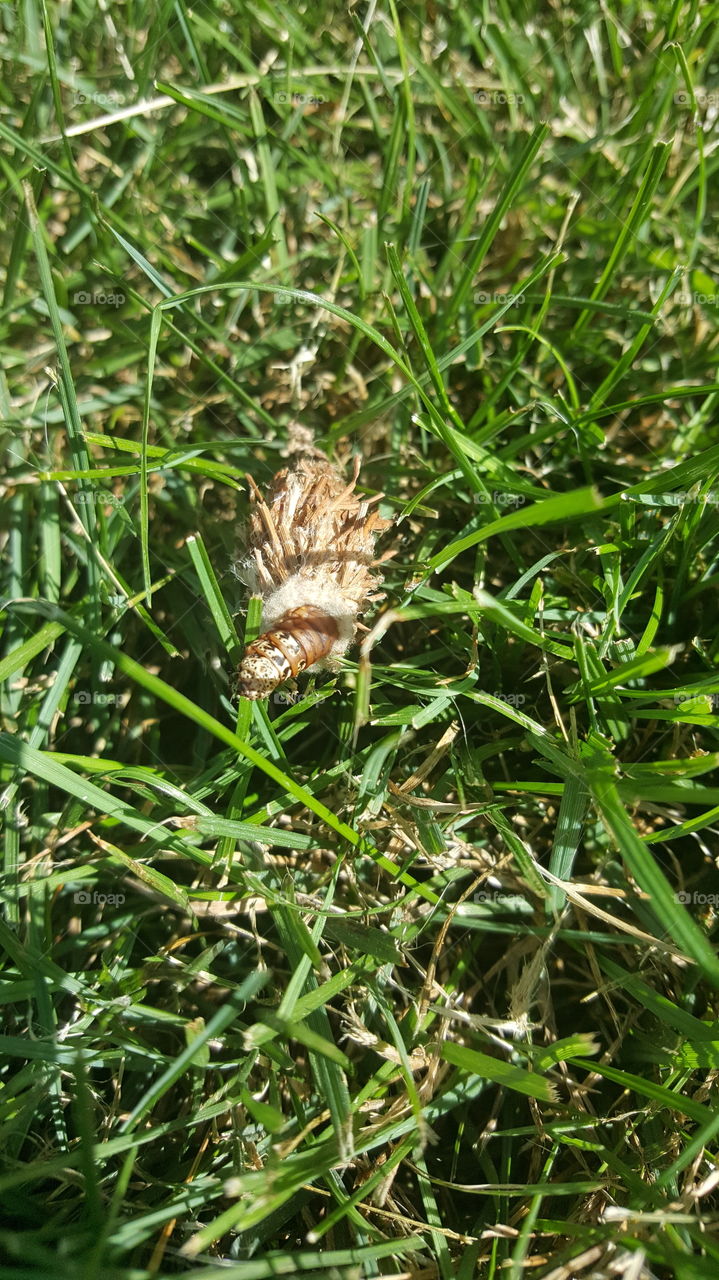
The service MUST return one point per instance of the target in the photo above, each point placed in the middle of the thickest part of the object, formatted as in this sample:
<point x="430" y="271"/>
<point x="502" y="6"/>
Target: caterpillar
<point x="301" y="638"/>
<point x="311" y="558"/>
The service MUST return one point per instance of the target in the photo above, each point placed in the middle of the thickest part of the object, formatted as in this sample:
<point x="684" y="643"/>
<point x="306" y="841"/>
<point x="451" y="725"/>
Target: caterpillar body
<point x="311" y="558"/>
<point x="301" y="638"/>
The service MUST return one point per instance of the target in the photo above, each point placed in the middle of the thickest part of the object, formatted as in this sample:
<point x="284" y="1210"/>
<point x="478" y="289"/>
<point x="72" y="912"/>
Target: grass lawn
<point x="411" y="969"/>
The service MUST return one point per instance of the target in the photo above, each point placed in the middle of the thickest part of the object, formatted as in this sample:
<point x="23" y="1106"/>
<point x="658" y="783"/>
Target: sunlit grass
<point x="412" y="969"/>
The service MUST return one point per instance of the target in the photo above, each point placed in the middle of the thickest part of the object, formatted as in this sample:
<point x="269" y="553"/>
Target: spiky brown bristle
<point x="313" y="522"/>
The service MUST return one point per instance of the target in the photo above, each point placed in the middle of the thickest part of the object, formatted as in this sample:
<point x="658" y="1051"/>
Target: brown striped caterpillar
<point x="310" y="556"/>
